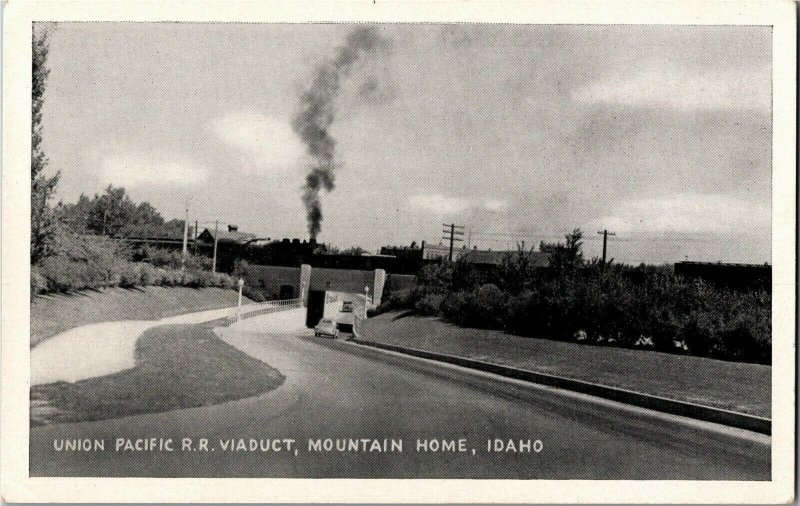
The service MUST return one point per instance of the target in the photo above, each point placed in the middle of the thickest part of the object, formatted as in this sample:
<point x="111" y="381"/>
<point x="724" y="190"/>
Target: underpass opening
<point x="286" y="292"/>
<point x="316" y="307"/>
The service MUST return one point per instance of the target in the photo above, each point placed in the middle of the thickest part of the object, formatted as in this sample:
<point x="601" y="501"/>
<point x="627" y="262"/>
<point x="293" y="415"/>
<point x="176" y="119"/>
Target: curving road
<point x="339" y="390"/>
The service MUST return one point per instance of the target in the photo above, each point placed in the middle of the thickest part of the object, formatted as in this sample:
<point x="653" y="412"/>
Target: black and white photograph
<point x="404" y="250"/>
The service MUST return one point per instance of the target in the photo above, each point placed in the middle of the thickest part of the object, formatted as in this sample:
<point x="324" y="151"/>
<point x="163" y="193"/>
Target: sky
<point x="518" y="132"/>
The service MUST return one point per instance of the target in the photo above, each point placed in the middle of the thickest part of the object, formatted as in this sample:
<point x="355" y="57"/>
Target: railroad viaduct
<point x="310" y="284"/>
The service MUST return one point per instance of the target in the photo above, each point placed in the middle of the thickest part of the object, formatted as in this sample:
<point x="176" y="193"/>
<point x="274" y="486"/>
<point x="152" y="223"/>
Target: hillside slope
<point x="51" y="314"/>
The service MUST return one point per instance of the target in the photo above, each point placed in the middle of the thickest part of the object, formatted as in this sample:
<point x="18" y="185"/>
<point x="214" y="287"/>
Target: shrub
<point x="488" y="307"/>
<point x="456" y="306"/>
<point x="149" y="275"/>
<point x="429" y="304"/>
<point x="747" y="333"/>
<point x="254" y="293"/>
<point x="64" y="274"/>
<point x="526" y="314"/>
<point x="38" y="281"/>
<point x="616" y="304"/>
<point x="171" y="259"/>
<point x="87" y="262"/>
<point x="404" y="298"/>
<point x="130" y="275"/>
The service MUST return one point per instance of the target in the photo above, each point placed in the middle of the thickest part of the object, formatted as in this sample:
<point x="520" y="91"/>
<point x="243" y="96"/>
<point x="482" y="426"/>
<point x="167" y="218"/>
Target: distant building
<point x="413" y="257"/>
<point x="229" y="245"/>
<point x="441" y="251"/>
<point x="230" y="235"/>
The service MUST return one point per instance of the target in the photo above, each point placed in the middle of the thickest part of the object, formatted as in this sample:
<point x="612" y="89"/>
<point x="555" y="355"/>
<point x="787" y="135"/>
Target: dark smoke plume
<point x="317" y="113"/>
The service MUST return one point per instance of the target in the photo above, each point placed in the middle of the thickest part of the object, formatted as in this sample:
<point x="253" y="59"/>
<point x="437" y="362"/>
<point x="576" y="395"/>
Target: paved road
<point x="340" y="390"/>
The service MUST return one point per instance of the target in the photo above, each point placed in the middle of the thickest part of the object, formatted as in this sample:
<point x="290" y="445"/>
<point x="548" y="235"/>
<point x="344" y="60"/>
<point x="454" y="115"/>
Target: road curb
<point x="656" y="403"/>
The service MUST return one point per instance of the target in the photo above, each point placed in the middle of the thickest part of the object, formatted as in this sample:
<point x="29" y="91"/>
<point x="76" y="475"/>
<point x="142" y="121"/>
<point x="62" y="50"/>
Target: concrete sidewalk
<point x="100" y="349"/>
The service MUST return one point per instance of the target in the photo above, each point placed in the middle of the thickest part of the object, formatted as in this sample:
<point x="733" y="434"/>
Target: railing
<point x="261" y="308"/>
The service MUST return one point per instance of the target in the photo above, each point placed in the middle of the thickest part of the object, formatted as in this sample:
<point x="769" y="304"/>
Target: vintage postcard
<point x="392" y="252"/>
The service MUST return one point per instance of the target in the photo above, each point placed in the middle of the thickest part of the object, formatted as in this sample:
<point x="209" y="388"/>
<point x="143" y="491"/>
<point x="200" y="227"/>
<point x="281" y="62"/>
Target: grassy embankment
<point x="735" y="386"/>
<point x="177" y="366"/>
<point x="54" y="313"/>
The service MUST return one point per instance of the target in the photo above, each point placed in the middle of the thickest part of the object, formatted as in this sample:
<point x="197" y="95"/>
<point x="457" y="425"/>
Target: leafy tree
<point x="565" y="257"/>
<point x="436" y="277"/>
<point x="43" y="223"/>
<point x="335" y="250"/>
<point x="517" y="271"/>
<point x="114" y="214"/>
<point x="354" y="250"/>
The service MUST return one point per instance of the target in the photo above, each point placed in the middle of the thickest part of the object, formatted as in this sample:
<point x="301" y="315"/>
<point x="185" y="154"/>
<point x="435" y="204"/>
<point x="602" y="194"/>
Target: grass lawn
<point x="51" y="314"/>
<point x="736" y="386"/>
<point x="177" y="366"/>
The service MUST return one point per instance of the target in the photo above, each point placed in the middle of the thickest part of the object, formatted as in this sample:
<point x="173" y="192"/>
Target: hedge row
<point x="170" y="259"/>
<point x="81" y="262"/>
<point x="658" y="310"/>
<point x="64" y="274"/>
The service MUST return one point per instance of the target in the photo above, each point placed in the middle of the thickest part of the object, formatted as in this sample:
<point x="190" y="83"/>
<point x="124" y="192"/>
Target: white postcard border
<point x="18" y="487"/>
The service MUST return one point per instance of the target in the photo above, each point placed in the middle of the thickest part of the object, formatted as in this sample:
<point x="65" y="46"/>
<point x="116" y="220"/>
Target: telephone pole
<point x="185" y="236"/>
<point x="216" y="234"/>
<point x="456" y="234"/>
<point x="195" y="237"/>
<point x="605" y="234"/>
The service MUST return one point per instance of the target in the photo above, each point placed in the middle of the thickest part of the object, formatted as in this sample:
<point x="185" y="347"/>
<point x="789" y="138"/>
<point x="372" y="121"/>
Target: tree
<point x="354" y="250"/>
<point x="114" y="214"/>
<point x="111" y="212"/>
<point x="335" y="250"/>
<point x="566" y="256"/>
<point x="43" y="223"/>
<point x="517" y="270"/>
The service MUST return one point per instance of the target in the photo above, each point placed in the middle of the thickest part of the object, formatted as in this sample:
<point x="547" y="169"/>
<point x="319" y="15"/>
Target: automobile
<point x="347" y="306"/>
<point x="326" y="327"/>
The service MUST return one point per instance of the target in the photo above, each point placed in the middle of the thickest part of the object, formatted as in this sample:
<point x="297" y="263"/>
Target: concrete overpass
<point x="310" y="284"/>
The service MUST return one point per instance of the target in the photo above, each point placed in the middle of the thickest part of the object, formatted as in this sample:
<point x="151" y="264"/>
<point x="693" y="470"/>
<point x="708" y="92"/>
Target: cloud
<point x="266" y="144"/>
<point x="438" y="203"/>
<point x="688" y="213"/>
<point x="495" y="204"/>
<point x="671" y="86"/>
<point x="135" y="171"/>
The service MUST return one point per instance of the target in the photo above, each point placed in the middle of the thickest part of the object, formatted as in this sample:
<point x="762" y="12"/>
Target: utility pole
<point x="214" y="261"/>
<point x="605" y="234"/>
<point x="195" y="237"/>
<point x="185" y="236"/>
<point x="456" y="234"/>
